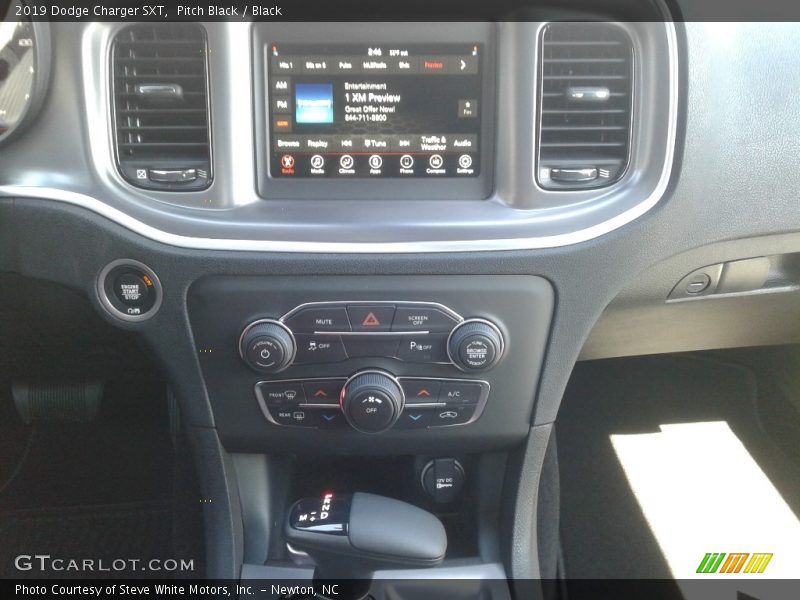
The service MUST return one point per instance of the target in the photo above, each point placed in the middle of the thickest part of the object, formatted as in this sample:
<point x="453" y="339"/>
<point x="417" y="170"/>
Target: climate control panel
<point x="331" y="332"/>
<point x="314" y="364"/>
<point x="372" y="401"/>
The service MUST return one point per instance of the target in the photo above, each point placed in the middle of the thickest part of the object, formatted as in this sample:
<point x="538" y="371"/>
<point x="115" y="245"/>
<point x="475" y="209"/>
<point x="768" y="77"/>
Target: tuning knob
<point x="372" y="401"/>
<point x="475" y="345"/>
<point x="267" y="346"/>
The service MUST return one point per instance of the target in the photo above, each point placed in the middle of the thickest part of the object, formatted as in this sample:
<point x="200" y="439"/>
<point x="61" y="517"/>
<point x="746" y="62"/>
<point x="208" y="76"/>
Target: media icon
<point x="317" y="161"/>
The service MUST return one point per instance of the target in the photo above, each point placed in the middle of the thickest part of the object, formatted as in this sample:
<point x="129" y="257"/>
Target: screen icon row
<point x="375" y="164"/>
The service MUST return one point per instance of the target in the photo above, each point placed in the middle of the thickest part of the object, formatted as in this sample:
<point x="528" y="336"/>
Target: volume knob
<point x="267" y="346"/>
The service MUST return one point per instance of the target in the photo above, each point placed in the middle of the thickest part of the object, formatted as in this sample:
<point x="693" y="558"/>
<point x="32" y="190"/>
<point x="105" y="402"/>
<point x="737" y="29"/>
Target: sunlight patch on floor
<point x="701" y="491"/>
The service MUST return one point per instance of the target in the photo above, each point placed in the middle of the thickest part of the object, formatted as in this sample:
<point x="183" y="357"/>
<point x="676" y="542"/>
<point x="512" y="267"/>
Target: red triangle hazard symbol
<point x="370" y="321"/>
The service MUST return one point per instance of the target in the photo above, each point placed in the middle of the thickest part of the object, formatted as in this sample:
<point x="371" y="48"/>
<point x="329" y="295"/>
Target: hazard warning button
<point x="370" y="318"/>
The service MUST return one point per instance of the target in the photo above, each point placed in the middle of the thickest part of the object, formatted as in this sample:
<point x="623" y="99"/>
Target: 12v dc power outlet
<point x="442" y="479"/>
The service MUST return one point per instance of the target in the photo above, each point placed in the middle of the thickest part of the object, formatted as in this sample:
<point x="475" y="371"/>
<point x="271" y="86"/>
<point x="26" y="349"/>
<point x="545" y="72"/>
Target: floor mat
<point x="617" y="409"/>
<point x="99" y="533"/>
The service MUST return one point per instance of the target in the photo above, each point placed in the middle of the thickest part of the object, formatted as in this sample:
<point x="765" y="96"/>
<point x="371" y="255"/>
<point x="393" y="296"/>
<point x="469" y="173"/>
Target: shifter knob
<point x="351" y="537"/>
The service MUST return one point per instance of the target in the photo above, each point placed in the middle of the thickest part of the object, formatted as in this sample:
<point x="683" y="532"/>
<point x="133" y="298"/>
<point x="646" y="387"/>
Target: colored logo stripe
<point x="710" y="562"/>
<point x="758" y="563"/>
<point x="734" y="563"/>
<point x="713" y="562"/>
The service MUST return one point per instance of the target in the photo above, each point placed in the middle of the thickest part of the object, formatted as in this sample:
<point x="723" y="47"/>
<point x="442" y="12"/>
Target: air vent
<point x="585" y="98"/>
<point x="161" y="115"/>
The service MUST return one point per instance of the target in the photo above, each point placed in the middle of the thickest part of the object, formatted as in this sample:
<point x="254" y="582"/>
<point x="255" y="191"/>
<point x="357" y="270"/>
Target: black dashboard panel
<point x="343" y="326"/>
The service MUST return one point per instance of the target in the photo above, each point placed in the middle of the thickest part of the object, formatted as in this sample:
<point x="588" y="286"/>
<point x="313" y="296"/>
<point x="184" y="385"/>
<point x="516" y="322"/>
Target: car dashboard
<point x="383" y="247"/>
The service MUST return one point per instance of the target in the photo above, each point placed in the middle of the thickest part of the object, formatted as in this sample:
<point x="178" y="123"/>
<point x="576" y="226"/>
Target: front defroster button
<point x="282" y="393"/>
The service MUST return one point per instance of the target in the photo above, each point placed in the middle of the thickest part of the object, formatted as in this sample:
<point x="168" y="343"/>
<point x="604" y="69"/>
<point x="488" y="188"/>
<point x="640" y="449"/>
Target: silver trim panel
<point x="486" y="387"/>
<point x="346" y="303"/>
<point x="262" y="403"/>
<point x="508" y="226"/>
<point x="479" y="406"/>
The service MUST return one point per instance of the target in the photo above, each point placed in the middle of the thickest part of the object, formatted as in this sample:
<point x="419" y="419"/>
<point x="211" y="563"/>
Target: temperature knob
<point x="372" y="401"/>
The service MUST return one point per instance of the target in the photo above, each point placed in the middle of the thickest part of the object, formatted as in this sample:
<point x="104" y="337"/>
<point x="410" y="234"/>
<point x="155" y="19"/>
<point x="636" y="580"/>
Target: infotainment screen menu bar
<point x="374" y="111"/>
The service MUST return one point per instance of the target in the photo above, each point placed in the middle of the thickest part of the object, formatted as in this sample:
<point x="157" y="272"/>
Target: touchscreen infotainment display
<point x="380" y="110"/>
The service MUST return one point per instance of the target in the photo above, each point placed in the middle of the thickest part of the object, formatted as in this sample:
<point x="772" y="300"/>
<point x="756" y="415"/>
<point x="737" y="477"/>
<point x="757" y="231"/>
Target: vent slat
<point x="163" y="145"/>
<point x="159" y="59"/>
<point x="162" y="128"/>
<point x="157" y="111"/>
<point x="577" y="76"/>
<point x="165" y="43"/>
<point x="584" y="60"/>
<point x="161" y="132"/>
<point x="587" y="130"/>
<point x="163" y="77"/>
<point x="584" y="43"/>
<point x="584" y="128"/>
<point x="583" y="144"/>
<point x="561" y="95"/>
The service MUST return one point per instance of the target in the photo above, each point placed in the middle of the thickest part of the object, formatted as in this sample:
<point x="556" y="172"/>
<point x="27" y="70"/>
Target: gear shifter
<point x="352" y="536"/>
